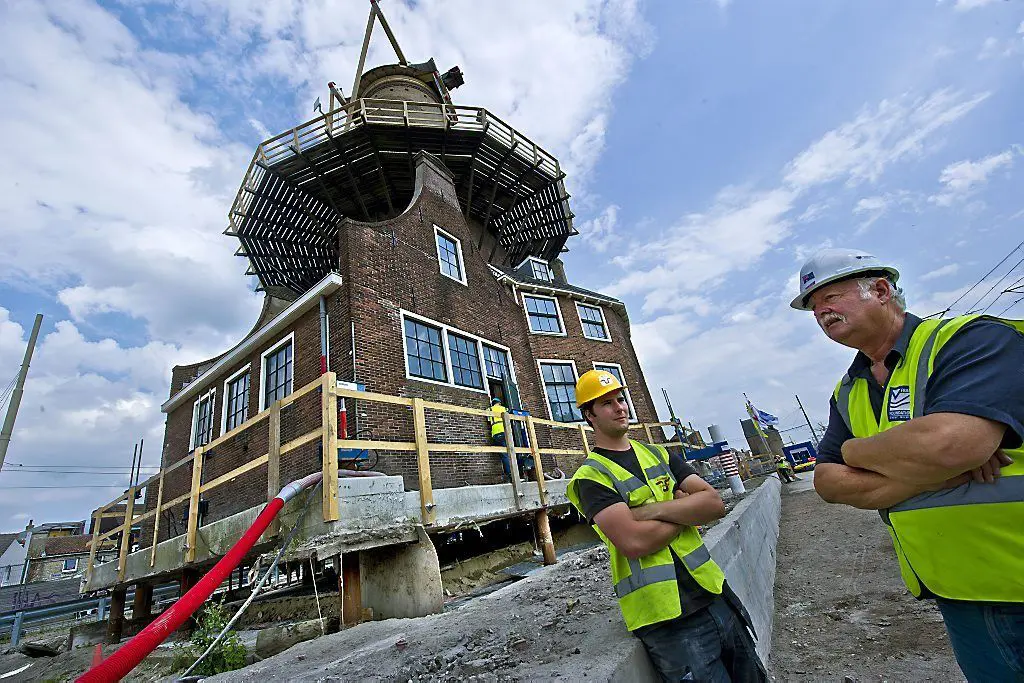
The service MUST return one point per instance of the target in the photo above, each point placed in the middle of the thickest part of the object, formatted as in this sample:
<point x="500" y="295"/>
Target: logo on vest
<point x="899" y="404"/>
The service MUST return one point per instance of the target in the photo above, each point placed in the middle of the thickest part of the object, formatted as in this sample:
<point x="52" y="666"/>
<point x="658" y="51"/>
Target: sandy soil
<point x="841" y="610"/>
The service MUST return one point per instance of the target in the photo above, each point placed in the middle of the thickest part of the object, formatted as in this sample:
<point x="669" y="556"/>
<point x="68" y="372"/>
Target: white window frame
<point x="604" y="321"/>
<point x="444" y="329"/>
<point x="209" y="395"/>
<point x="625" y="385"/>
<point x="276" y="346"/>
<point x="558" y="310"/>
<point x="511" y="365"/>
<point x="227" y="393"/>
<point x="74" y="569"/>
<point x="458" y="252"/>
<point x="544" y="386"/>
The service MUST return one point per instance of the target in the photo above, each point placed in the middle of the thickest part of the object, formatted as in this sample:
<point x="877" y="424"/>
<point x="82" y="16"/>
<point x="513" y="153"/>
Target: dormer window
<point x="541" y="270"/>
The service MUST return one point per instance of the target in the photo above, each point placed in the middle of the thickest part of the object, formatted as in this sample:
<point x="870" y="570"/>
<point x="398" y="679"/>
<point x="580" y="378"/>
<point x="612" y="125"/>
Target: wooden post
<point x="330" y="447"/>
<point x="547" y="543"/>
<point x="92" y="544"/>
<point x="193" y="507"/>
<point x="142" y="607"/>
<point x="350" y="590"/>
<point x="115" y="620"/>
<point x="274" y="464"/>
<point x="647" y="431"/>
<point x="189" y="578"/>
<point x="583" y="438"/>
<point x="156" y="519"/>
<point x="513" y="459"/>
<point x="126" y="533"/>
<point x="538" y="465"/>
<point x="419" y="421"/>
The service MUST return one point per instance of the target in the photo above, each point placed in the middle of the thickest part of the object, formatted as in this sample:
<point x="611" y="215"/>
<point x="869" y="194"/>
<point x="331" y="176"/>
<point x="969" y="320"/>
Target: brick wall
<point x="389" y="267"/>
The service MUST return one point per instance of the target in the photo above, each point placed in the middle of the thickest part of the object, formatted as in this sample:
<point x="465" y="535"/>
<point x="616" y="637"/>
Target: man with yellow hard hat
<point x="645" y="505"/>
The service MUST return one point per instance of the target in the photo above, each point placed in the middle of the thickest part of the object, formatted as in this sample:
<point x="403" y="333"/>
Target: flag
<point x="761" y="418"/>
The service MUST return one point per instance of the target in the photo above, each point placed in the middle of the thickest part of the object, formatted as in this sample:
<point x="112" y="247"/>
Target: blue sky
<point x="712" y="145"/>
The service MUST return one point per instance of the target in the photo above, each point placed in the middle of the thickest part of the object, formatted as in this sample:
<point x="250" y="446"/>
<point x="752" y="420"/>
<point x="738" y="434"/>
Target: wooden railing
<point x="330" y="441"/>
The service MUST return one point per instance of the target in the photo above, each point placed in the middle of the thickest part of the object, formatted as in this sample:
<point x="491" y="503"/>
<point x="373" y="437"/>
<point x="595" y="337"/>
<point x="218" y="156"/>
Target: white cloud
<point x="966" y="5"/>
<point x="601" y="232"/>
<point x="862" y="149"/>
<point x="948" y="269"/>
<point x="963" y="178"/>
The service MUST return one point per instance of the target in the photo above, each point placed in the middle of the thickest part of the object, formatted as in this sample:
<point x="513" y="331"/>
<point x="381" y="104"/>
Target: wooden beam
<point x="274" y="464"/>
<point x="419" y="420"/>
<point x="538" y="464"/>
<point x="193" y="507"/>
<point x="547" y="543"/>
<point x="362" y="55"/>
<point x="647" y="431"/>
<point x="350" y="591"/>
<point x="156" y="522"/>
<point x="92" y="546"/>
<point x="513" y="461"/>
<point x="329" y="442"/>
<point x="115" y="618"/>
<point x="126" y="534"/>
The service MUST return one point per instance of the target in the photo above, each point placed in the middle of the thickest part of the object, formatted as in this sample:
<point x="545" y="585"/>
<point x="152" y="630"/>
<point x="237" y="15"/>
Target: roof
<point x="67" y="545"/>
<point x="556" y="287"/>
<point x="80" y="525"/>
<point x="6" y="540"/>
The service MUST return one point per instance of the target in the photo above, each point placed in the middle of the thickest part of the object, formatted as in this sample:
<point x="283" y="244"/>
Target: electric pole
<point x="19" y="389"/>
<point x="814" y="434"/>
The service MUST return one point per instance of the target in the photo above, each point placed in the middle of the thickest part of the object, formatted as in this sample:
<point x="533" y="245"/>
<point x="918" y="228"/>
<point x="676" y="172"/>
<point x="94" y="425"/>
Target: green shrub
<point x="227" y="656"/>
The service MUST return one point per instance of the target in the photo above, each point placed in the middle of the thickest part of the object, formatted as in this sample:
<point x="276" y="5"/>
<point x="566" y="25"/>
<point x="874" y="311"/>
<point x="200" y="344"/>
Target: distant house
<point x="58" y="550"/>
<point x="12" y="558"/>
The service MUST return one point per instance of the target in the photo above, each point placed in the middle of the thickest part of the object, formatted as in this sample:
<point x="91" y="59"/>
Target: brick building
<point x="410" y="246"/>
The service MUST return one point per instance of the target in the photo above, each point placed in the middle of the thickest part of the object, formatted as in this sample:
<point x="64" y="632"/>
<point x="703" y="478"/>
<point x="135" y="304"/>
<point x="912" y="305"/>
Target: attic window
<point x="449" y="255"/>
<point x="541" y="270"/>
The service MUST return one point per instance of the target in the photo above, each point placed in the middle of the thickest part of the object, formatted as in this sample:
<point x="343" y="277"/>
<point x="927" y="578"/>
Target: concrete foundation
<point x="402" y="581"/>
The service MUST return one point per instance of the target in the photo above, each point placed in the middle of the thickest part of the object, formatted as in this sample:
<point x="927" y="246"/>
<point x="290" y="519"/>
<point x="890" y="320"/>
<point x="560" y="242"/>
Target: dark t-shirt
<point x="594" y="498"/>
<point x="979" y="371"/>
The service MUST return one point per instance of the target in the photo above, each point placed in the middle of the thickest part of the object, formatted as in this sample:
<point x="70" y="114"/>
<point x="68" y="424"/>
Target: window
<point x="70" y="564"/>
<point x="202" y="421"/>
<point x="560" y="390"/>
<point x="496" y="363"/>
<point x="423" y="351"/>
<point x="449" y="255"/>
<point x="616" y="370"/>
<point x="236" y="399"/>
<point x="465" y="362"/>
<point x="277" y="372"/>
<point x="545" y="318"/>
<point x="592" y="320"/>
<point x="541" y="270"/>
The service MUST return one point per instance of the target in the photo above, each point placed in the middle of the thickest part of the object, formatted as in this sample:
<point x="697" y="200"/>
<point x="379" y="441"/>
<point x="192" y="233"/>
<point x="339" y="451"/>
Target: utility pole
<point x="19" y="389"/>
<point x="814" y="434"/>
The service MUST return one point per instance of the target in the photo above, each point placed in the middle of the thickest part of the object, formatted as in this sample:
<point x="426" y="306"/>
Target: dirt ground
<point x="841" y="610"/>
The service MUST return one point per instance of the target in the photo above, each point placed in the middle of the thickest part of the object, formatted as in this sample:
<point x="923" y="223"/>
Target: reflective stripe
<point x="641" y="577"/>
<point x="921" y="380"/>
<point x="697" y="557"/>
<point x="624" y="488"/>
<point x="843" y="400"/>
<point x="1004" y="490"/>
<point x="660" y="470"/>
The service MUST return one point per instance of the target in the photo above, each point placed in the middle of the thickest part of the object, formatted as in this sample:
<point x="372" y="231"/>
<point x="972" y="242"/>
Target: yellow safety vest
<point x="965" y="543"/>
<point x="497" y="423"/>
<point x="647" y="588"/>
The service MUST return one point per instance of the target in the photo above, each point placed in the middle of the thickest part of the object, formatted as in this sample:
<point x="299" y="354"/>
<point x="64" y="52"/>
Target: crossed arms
<point x="928" y="453"/>
<point x="649" y="528"/>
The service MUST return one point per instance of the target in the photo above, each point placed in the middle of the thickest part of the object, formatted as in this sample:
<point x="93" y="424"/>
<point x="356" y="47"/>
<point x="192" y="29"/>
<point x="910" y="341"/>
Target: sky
<point x="711" y="147"/>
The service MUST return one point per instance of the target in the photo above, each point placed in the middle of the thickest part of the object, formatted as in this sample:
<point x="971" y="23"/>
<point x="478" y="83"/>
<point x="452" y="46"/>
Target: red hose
<point x="128" y="656"/>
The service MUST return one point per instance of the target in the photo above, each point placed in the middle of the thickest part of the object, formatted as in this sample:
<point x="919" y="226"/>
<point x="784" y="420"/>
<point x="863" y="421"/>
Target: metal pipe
<point x="19" y="390"/>
<point x="323" y="336"/>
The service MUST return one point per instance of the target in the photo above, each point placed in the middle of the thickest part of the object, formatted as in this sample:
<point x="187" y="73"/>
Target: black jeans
<point x="711" y="645"/>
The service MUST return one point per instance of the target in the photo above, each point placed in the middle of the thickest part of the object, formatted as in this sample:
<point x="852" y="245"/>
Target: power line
<point x="26" y="470"/>
<point x="79" y="466"/>
<point x="996" y="284"/>
<point x="74" y="486"/>
<point x="994" y="268"/>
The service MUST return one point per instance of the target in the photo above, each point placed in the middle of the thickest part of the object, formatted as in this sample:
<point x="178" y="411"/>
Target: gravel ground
<point x="841" y="610"/>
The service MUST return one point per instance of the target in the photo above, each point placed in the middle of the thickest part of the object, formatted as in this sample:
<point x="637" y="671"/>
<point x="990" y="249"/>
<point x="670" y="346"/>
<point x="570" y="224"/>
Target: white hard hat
<point x="830" y="265"/>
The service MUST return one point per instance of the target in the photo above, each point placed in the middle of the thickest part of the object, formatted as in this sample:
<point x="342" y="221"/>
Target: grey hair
<point x="866" y="284"/>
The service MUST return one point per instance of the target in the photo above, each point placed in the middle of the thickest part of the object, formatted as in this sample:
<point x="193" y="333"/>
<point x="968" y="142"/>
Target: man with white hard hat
<point x="926" y="427"/>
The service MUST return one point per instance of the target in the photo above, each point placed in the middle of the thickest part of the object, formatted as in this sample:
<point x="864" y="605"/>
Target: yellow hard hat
<point x="595" y="384"/>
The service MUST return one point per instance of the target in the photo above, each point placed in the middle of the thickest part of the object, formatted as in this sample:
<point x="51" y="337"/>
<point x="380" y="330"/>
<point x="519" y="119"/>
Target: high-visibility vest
<point x="781" y="463"/>
<point x="497" y="422"/>
<point x="647" y="588"/>
<point x="965" y="543"/>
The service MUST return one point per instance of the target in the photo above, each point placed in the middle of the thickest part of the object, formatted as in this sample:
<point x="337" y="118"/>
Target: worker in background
<point x="646" y="505"/>
<point x="784" y="469"/>
<point x="926" y="427"/>
<point x="498" y="434"/>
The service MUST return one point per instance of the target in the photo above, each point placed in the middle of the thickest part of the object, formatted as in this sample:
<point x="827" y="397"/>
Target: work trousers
<point x="987" y="639"/>
<point x="712" y="644"/>
<point x="525" y="463"/>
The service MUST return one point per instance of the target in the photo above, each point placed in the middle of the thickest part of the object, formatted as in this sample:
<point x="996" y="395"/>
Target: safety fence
<point x="568" y="440"/>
